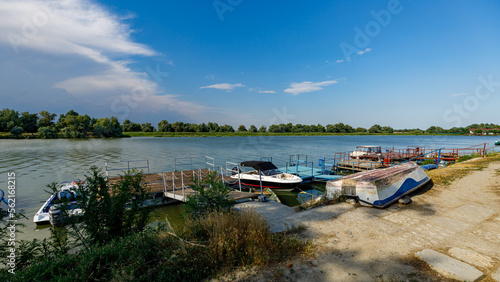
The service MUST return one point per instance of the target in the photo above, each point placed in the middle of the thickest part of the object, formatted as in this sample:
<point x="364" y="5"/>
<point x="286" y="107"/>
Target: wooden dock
<point x="177" y="184"/>
<point x="360" y="165"/>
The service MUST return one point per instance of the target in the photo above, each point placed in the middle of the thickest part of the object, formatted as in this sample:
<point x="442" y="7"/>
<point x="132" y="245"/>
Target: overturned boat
<point x="379" y="187"/>
<point x="267" y="174"/>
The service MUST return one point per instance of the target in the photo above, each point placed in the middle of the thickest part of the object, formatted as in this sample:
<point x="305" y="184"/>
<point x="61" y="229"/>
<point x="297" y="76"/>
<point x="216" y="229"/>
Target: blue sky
<point x="405" y="64"/>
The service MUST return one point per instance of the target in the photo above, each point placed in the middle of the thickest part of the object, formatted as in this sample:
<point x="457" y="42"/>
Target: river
<point x="37" y="163"/>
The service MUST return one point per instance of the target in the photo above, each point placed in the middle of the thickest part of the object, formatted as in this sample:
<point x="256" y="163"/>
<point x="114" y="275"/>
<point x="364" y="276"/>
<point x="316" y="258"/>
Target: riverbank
<point x="457" y="217"/>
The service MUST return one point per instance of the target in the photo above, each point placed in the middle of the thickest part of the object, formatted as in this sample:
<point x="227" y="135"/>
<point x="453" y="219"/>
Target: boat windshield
<point x="271" y="172"/>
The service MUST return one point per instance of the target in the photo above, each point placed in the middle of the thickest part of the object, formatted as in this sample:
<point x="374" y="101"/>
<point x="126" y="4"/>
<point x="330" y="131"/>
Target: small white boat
<point x="379" y="187"/>
<point x="50" y="211"/>
<point x="268" y="174"/>
<point x="367" y="152"/>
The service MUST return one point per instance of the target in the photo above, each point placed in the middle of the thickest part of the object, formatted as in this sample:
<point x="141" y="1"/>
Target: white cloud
<point x="224" y="86"/>
<point x="267" y="91"/>
<point x="364" y="51"/>
<point x="339" y="61"/>
<point x="308" y="86"/>
<point x="91" y="45"/>
<point x="459" y="94"/>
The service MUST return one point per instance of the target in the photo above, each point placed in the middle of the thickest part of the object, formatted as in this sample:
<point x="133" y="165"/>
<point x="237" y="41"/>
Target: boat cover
<point x="259" y="165"/>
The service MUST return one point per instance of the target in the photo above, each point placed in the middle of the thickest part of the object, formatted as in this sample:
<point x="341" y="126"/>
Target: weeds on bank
<point x="445" y="176"/>
<point x="322" y="201"/>
<point x="211" y="243"/>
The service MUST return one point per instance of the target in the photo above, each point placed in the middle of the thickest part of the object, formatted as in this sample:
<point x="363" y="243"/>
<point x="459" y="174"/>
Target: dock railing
<point x="122" y="166"/>
<point x="230" y="167"/>
<point x="192" y="163"/>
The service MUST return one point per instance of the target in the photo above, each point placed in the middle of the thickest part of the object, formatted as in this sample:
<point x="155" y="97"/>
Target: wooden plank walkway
<point x="176" y="184"/>
<point x="359" y="165"/>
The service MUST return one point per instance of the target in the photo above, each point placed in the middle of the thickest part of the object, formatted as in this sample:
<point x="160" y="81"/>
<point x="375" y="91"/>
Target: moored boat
<point x="367" y="152"/>
<point x="497" y="142"/>
<point x="379" y="187"/>
<point x="66" y="195"/>
<point x="268" y="174"/>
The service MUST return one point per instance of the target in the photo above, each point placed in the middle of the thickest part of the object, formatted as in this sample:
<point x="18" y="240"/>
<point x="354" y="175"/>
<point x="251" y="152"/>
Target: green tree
<point x="8" y="119"/>
<point x="164" y="126"/>
<point x="435" y="129"/>
<point x="211" y="195"/>
<point x="360" y="129"/>
<point x="47" y="132"/>
<point x="274" y="128"/>
<point x="262" y="129"/>
<point x="387" y="129"/>
<point x="252" y="128"/>
<point x="46" y="119"/>
<point x="107" y="127"/>
<point x="375" y="129"/>
<point x="28" y="122"/>
<point x="17" y="131"/>
<point x="242" y="128"/>
<point x="147" y="127"/>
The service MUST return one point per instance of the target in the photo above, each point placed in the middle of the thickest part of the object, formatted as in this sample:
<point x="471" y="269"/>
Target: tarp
<point x="258" y="165"/>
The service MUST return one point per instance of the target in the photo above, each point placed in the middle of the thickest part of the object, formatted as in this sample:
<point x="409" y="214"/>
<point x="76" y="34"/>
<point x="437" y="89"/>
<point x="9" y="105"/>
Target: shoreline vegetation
<point x="72" y="125"/>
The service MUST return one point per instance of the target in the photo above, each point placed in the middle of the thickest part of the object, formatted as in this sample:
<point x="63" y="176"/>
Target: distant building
<point x="485" y="130"/>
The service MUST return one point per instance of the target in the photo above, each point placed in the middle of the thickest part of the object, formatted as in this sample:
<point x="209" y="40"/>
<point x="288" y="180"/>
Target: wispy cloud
<point x="339" y="61"/>
<point x="267" y="91"/>
<point x="308" y="86"/>
<point x="89" y="48"/>
<point x="459" y="94"/>
<point x="364" y="51"/>
<point x="224" y="86"/>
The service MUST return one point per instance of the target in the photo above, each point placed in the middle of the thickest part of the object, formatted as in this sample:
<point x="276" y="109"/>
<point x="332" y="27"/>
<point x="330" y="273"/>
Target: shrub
<point x="47" y="132"/>
<point x="211" y="195"/>
<point x="16" y="131"/>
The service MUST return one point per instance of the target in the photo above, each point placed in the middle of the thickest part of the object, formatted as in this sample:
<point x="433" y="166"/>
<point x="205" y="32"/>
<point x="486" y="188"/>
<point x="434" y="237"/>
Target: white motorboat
<point x="367" y="152"/>
<point x="379" y="187"/>
<point x="66" y="193"/>
<point x="267" y="174"/>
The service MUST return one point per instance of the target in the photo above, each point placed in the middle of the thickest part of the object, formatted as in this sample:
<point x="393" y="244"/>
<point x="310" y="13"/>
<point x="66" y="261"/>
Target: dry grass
<point x="445" y="176"/>
<point x="243" y="238"/>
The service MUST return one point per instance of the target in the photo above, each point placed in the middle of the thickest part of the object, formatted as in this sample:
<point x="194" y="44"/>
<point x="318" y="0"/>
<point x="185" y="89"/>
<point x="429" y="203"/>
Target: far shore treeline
<point x="74" y="125"/>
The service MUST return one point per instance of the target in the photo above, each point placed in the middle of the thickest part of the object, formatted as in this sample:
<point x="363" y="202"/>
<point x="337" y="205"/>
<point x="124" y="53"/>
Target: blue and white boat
<point x="67" y="193"/>
<point x="379" y="187"/>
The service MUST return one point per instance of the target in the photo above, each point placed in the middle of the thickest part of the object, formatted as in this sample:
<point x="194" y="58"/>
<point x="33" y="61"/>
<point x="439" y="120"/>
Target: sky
<point x="405" y="64"/>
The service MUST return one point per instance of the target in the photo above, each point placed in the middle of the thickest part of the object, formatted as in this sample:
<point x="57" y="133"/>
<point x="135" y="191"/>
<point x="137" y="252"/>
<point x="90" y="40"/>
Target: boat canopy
<point x="259" y="165"/>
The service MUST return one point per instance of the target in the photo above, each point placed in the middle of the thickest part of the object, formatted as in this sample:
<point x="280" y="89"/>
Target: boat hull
<point x="380" y="188"/>
<point x="270" y="185"/>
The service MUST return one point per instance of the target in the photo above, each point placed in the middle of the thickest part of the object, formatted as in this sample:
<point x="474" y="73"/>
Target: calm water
<point x="39" y="162"/>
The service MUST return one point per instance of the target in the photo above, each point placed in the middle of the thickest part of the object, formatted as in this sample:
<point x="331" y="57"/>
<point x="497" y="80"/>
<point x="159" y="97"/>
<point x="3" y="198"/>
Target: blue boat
<point x="379" y="187"/>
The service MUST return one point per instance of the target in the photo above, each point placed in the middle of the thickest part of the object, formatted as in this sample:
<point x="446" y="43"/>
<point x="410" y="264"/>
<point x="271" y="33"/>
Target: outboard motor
<point x="55" y="215"/>
<point x="236" y="170"/>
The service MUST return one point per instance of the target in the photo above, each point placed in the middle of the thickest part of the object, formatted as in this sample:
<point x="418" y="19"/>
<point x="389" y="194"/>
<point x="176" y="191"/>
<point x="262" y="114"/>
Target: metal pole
<point x="173" y="182"/>
<point x="260" y="178"/>
<point x="439" y="157"/>
<point x="239" y="176"/>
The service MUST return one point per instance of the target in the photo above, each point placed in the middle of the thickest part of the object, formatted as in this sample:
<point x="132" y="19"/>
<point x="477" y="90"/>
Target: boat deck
<point x="309" y="174"/>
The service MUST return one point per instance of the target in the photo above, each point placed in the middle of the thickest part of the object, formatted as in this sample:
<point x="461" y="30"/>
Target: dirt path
<point x="357" y="243"/>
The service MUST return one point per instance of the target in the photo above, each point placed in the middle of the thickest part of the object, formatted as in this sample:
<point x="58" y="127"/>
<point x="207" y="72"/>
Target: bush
<point x="211" y="195"/>
<point x="47" y="132"/>
<point x="16" y="131"/>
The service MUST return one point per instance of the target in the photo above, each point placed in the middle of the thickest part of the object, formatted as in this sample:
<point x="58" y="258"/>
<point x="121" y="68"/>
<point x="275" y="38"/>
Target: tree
<point x="242" y="128"/>
<point x="46" y="119"/>
<point x="16" y="131"/>
<point x="274" y="128"/>
<point x="435" y="129"/>
<point x="375" y="129"/>
<point x="107" y="127"/>
<point x="8" y="119"/>
<point x="360" y="129"/>
<point x="252" y="128"/>
<point x="29" y="122"/>
<point x="129" y="126"/>
<point x="47" y="132"/>
<point x="387" y="129"/>
<point x="164" y="126"/>
<point x="262" y="129"/>
<point x="147" y="127"/>
<point x="211" y="195"/>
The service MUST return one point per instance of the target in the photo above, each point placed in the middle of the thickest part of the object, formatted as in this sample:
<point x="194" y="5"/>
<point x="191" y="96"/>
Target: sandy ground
<point x="356" y="243"/>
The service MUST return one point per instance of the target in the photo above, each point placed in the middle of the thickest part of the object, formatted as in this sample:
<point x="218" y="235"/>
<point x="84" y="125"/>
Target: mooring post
<point x="439" y="157"/>
<point x="239" y="176"/>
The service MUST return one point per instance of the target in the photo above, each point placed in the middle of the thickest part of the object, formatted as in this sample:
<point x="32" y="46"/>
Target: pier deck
<point x="308" y="173"/>
<point x="176" y="184"/>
